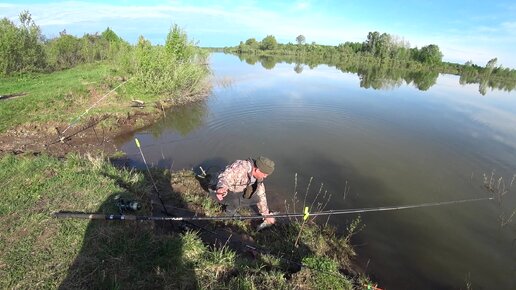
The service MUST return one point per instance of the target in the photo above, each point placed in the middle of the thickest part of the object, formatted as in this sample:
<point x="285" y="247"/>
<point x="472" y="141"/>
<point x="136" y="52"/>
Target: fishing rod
<point x="255" y="247"/>
<point x="101" y="216"/>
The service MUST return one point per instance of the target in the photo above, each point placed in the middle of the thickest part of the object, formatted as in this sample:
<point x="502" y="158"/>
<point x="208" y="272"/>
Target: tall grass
<point x="176" y="70"/>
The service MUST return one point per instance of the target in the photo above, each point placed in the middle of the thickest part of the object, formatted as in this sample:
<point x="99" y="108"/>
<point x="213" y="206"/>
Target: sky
<point x="463" y="30"/>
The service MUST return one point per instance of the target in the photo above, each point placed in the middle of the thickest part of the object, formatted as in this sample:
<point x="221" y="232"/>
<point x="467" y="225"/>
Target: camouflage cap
<point x="265" y="165"/>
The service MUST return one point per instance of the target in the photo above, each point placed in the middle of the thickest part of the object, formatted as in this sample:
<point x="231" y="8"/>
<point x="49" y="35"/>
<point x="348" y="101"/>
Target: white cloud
<point x="302" y="5"/>
<point x="251" y="20"/>
<point x="476" y="45"/>
<point x="510" y="26"/>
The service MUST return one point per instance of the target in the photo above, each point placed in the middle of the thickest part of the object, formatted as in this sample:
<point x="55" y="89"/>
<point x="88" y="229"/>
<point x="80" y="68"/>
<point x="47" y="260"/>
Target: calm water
<point x="393" y="146"/>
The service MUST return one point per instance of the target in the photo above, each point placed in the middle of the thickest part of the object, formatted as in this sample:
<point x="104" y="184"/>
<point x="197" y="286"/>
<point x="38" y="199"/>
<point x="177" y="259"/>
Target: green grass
<point x="320" y="249"/>
<point x="55" y="96"/>
<point x="64" y="95"/>
<point x="39" y="251"/>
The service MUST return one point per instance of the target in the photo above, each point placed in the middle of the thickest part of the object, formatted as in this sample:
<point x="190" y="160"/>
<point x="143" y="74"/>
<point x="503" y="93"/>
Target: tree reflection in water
<point x="383" y="75"/>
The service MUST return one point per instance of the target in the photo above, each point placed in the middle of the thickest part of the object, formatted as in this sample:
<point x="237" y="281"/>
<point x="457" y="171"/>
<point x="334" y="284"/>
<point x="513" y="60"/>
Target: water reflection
<point x="181" y="120"/>
<point x="382" y="76"/>
<point x="298" y="68"/>
<point x="486" y="82"/>
<point x="268" y="62"/>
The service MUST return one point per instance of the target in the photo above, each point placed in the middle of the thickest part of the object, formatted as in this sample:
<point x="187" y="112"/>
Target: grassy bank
<point x="51" y="97"/>
<point x="42" y="252"/>
<point x="82" y="109"/>
<point x="124" y="82"/>
<point x="62" y="96"/>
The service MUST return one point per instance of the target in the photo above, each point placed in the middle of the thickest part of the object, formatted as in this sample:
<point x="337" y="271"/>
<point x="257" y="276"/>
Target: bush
<point x="65" y="52"/>
<point x="269" y="43"/>
<point x="21" y="48"/>
<point x="170" y="69"/>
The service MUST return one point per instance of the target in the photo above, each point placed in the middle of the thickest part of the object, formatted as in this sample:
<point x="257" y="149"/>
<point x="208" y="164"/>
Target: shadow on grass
<point x="186" y="255"/>
<point x="134" y="254"/>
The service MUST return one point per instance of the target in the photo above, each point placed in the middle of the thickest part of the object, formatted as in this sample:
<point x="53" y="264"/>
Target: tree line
<point x="378" y="48"/>
<point x="177" y="66"/>
<point x="24" y="49"/>
<point x="382" y="46"/>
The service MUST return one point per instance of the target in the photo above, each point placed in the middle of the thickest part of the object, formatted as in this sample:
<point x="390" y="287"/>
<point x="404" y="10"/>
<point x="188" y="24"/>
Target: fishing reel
<point x="209" y="178"/>
<point x="127" y="205"/>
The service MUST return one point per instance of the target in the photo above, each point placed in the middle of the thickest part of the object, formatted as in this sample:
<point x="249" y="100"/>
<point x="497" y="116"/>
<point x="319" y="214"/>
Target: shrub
<point x="170" y="69"/>
<point x="65" y="51"/>
<point x="21" y="47"/>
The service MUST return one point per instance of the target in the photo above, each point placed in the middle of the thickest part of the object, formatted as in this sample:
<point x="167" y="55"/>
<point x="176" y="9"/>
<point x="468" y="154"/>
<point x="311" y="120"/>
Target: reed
<point x="497" y="187"/>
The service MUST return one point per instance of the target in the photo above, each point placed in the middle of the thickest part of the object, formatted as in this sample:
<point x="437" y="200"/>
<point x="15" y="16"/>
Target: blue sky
<point x="464" y="30"/>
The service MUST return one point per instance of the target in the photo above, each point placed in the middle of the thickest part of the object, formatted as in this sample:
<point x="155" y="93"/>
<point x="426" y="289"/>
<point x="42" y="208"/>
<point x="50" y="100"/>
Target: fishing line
<point x="91" y="107"/>
<point x="67" y="138"/>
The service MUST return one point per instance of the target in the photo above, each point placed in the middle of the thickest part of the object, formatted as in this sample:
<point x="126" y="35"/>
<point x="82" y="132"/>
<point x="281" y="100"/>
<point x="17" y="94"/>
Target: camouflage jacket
<point x="237" y="176"/>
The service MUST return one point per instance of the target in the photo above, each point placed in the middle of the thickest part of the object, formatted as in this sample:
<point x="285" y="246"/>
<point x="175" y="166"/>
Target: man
<point x="241" y="184"/>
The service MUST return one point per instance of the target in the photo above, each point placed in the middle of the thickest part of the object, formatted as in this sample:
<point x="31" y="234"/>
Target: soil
<point x="89" y="137"/>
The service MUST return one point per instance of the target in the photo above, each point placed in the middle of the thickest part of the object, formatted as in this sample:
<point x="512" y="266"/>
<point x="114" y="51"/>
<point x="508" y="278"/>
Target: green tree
<point x="65" y="51"/>
<point x="110" y="36"/>
<point x="383" y="46"/>
<point x="10" y="53"/>
<point x="379" y="45"/>
<point x="430" y="54"/>
<point x="244" y="48"/>
<point x="94" y="47"/>
<point x="350" y="47"/>
<point x="300" y="39"/>
<point x="177" y="45"/>
<point x="106" y="46"/>
<point x="371" y="43"/>
<point x="30" y="35"/>
<point x="486" y="75"/>
<point x="269" y="43"/>
<point x="252" y="43"/>
<point x="21" y="48"/>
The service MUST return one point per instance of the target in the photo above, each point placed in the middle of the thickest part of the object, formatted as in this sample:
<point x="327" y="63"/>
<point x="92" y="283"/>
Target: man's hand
<point x="221" y="193"/>
<point x="270" y="220"/>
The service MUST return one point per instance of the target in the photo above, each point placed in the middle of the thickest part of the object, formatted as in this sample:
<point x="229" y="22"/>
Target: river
<point x="365" y="141"/>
